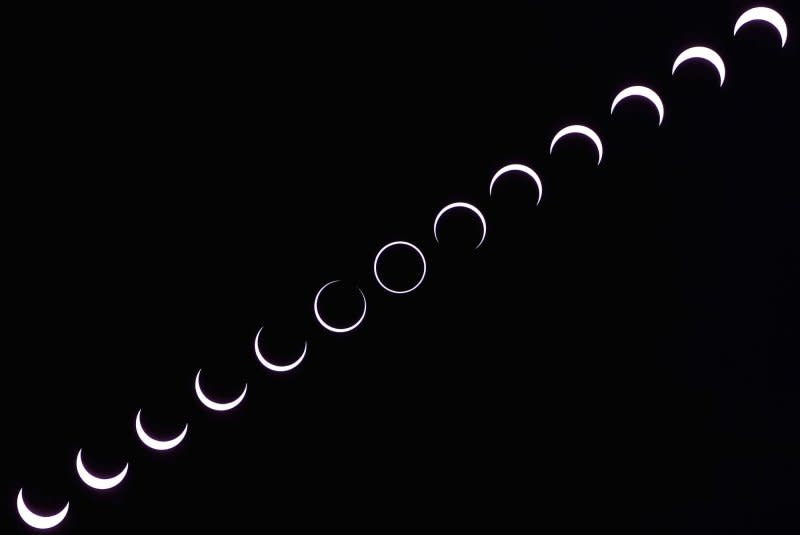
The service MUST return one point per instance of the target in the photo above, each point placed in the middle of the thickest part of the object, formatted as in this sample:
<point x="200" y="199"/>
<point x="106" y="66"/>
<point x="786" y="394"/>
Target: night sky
<point x="624" y="357"/>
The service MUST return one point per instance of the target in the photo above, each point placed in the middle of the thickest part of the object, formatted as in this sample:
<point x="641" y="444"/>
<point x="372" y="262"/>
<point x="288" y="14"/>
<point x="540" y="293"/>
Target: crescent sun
<point x="582" y="130"/>
<point x="767" y="15"/>
<point x="467" y="206"/>
<point x="39" y="521"/>
<point x="215" y="405"/>
<point x="98" y="483"/>
<point x="523" y="169"/>
<point x="701" y="52"/>
<point x="395" y="244"/>
<point x="275" y="367"/>
<point x="644" y="92"/>
<point x="160" y="445"/>
<point x="331" y="327"/>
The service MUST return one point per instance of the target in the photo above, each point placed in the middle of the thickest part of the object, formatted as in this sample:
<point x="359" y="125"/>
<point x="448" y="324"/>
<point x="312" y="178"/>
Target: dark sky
<point x="623" y="357"/>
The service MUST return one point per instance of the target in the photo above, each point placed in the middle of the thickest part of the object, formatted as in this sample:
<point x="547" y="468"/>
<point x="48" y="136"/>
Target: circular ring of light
<point x="331" y="327"/>
<point x="394" y="244"/>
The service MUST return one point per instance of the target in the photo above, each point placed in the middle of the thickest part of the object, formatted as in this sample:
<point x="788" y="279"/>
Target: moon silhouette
<point x="468" y="207"/>
<point x="701" y="52"/>
<point x="395" y="244"/>
<point x="523" y="169"/>
<point x="160" y="445"/>
<point x="767" y="15"/>
<point x="39" y="521"/>
<point x="275" y="367"/>
<point x="215" y="405"/>
<point x="331" y="327"/>
<point x="644" y="92"/>
<point x="584" y="131"/>
<point x="98" y="483"/>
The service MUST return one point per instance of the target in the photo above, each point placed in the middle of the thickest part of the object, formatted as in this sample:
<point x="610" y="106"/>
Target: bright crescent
<point x="98" y="483"/>
<point x="393" y="244"/>
<point x="150" y="442"/>
<point x="767" y="15"/>
<point x="331" y="327"/>
<point x="644" y="92"/>
<point x="701" y="52"/>
<point x="39" y="521"/>
<point x="461" y="205"/>
<point x="274" y="367"/>
<point x="583" y="130"/>
<point x="215" y="405"/>
<point x="518" y="167"/>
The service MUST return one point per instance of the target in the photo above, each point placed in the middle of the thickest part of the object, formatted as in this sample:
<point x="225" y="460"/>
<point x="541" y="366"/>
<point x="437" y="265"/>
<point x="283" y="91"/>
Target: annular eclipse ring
<point x="397" y="244"/>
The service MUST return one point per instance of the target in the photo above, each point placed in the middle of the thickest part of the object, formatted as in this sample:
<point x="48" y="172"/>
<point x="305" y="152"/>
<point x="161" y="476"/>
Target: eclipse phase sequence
<point x="747" y="18"/>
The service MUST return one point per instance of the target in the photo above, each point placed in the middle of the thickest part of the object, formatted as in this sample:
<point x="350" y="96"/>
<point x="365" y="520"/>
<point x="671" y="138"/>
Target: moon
<point x="39" y="521"/>
<point x="99" y="483"/>
<point x="701" y="52"/>
<point x="582" y="130"/>
<point x="274" y="367"/>
<point x="644" y="92"/>
<point x="215" y="405"/>
<point x="767" y="15"/>
<point x="331" y="327"/>
<point x="160" y="445"/>
<point x="396" y="244"/>
<point x="516" y="167"/>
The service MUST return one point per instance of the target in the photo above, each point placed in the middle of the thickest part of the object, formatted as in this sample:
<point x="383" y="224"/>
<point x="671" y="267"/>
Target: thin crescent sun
<point x="331" y="327"/>
<point x="159" y="445"/>
<point x="522" y="169"/>
<point x="275" y="367"/>
<point x="216" y="405"/>
<point x="584" y="131"/>
<point x="39" y="521"/>
<point x="767" y="15"/>
<point x="705" y="53"/>
<point x="98" y="483"/>
<point x="467" y="206"/>
<point x="644" y="92"/>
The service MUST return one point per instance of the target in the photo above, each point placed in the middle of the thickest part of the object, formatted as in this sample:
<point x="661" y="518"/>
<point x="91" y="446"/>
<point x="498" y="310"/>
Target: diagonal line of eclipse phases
<point x="760" y="14"/>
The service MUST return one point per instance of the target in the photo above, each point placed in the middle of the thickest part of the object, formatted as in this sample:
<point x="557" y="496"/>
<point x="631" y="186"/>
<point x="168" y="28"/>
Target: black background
<point x="624" y="356"/>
